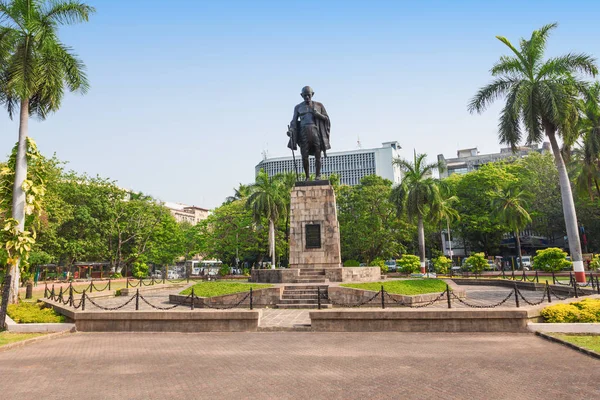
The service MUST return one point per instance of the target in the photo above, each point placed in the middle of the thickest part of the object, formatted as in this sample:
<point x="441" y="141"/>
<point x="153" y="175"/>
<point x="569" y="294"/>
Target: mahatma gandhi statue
<point x="309" y="129"/>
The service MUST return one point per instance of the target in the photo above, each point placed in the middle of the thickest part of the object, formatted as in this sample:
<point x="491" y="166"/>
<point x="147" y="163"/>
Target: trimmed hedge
<point x="587" y="310"/>
<point x="25" y="313"/>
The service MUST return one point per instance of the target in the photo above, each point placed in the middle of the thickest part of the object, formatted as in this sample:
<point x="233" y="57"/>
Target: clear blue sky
<point x="185" y="95"/>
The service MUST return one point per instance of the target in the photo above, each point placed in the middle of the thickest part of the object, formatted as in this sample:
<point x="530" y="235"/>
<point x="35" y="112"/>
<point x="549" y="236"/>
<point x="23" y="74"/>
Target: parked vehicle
<point x="172" y="275"/>
<point x="526" y="263"/>
<point x="156" y="275"/>
<point x="392" y="266"/>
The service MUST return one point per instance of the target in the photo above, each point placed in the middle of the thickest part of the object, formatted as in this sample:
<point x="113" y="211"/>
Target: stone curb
<point x="590" y="353"/>
<point x="9" y="346"/>
<point x="13" y="327"/>
<point x="574" y="328"/>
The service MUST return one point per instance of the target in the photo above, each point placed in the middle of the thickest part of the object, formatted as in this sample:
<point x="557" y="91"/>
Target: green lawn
<point x="590" y="342"/>
<point x="407" y="287"/>
<point x="211" y="289"/>
<point x="6" y="337"/>
<point x="24" y="313"/>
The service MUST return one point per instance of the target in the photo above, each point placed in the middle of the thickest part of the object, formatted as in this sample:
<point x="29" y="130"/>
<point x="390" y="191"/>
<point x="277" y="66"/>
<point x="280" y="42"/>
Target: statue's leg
<point x="318" y="165"/>
<point x="306" y="166"/>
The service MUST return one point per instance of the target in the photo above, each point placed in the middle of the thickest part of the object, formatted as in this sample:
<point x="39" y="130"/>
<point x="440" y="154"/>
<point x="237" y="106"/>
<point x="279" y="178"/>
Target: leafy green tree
<point x="139" y="269"/>
<point x="476" y="262"/>
<point x="242" y="192"/>
<point x="541" y="96"/>
<point x="418" y="195"/>
<point x="369" y="228"/>
<point x="409" y="264"/>
<point x="447" y="213"/>
<point x="35" y="70"/>
<point x="508" y="206"/>
<point x="551" y="259"/>
<point x="477" y="227"/>
<point x="268" y="201"/>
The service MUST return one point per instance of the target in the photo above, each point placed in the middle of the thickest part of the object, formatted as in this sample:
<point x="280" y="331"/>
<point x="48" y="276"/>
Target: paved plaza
<point x="296" y="365"/>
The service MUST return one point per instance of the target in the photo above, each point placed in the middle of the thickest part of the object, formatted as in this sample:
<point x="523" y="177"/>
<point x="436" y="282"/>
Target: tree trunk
<point x="449" y="238"/>
<point x="18" y="203"/>
<point x="519" y="249"/>
<point x="272" y="242"/>
<point x="421" y="232"/>
<point x="568" y="206"/>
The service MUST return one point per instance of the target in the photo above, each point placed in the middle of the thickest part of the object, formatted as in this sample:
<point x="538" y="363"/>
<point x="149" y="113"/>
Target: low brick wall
<point x="178" y="320"/>
<point x="538" y="287"/>
<point x="283" y="275"/>
<point x="344" y="295"/>
<point x="411" y="320"/>
<point x="360" y="274"/>
<point x="131" y="290"/>
<point x="260" y="298"/>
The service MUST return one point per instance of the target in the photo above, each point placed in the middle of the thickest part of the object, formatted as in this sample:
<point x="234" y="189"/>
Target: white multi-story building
<point x="468" y="160"/>
<point x="351" y="165"/>
<point x="185" y="213"/>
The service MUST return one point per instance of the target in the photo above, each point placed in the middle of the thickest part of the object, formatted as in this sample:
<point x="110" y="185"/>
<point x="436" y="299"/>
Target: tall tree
<point x="508" y="206"/>
<point x="36" y="67"/>
<point x="447" y="213"/>
<point x="541" y="96"/>
<point x="418" y="195"/>
<point x="268" y="200"/>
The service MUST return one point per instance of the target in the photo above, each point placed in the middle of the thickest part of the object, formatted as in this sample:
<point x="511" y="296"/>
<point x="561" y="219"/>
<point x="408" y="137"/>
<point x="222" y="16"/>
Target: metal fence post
<point x="592" y="279"/>
<point x="251" y="298"/>
<point x="448" y="295"/>
<point x="52" y="292"/>
<point x="127" y="283"/>
<point x="108" y="283"/>
<point x="192" y="307"/>
<point x="570" y="278"/>
<point x="71" y="295"/>
<point x="83" y="300"/>
<point x="575" y="287"/>
<point x="537" y="279"/>
<point x="382" y="298"/>
<point x="548" y="292"/>
<point x="91" y="285"/>
<point x="516" y="295"/>
<point x="137" y="299"/>
<point x="553" y="278"/>
<point x="318" y="297"/>
<point x="45" y="290"/>
<point x="152" y="280"/>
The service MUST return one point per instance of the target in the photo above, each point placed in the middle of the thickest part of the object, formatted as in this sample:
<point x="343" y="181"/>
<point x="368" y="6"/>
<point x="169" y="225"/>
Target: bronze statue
<point x="310" y="129"/>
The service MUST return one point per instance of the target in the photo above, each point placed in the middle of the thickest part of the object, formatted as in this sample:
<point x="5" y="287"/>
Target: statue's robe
<point x="323" y="127"/>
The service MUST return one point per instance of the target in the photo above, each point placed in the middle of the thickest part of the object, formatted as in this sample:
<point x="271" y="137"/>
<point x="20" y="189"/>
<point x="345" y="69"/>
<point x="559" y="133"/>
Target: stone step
<point x="314" y="280"/>
<point x="297" y="306"/>
<point x="306" y="276"/>
<point x="304" y="273"/>
<point x="306" y="287"/>
<point x="299" y="295"/>
<point x="302" y="301"/>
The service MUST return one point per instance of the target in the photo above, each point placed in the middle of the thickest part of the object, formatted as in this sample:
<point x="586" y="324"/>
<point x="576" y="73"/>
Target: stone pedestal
<point x="314" y="228"/>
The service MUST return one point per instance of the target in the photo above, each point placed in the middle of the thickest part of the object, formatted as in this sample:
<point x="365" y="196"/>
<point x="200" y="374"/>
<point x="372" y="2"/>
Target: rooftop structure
<point x="468" y="160"/>
<point x="185" y="213"/>
<point x="350" y="165"/>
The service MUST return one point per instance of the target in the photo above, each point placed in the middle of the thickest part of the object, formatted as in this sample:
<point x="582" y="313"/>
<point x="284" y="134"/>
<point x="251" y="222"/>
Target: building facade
<point x="185" y="213"/>
<point x="468" y="160"/>
<point x="351" y="165"/>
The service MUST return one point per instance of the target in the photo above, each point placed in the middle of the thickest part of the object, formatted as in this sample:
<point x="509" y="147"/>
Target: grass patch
<point x="408" y="287"/>
<point x="25" y="313"/>
<point x="6" y="337"/>
<point x="590" y="342"/>
<point x="211" y="289"/>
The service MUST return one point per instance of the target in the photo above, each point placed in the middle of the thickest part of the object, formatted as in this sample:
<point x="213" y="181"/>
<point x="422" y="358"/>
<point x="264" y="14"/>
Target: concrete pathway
<point x="297" y="365"/>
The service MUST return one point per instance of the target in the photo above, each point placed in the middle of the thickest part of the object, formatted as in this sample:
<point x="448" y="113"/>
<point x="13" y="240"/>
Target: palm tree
<point x="541" y="97"/>
<point x="418" y="195"/>
<point x="446" y="212"/>
<point x="240" y="193"/>
<point x="587" y="155"/>
<point x="35" y="68"/>
<point x="267" y="201"/>
<point x="508" y="206"/>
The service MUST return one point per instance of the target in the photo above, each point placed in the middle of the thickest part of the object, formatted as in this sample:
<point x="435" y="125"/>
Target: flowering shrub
<point x="587" y="310"/>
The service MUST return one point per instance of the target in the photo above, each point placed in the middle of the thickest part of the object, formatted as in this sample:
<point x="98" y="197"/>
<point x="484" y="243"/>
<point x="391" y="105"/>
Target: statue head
<point x="307" y="93"/>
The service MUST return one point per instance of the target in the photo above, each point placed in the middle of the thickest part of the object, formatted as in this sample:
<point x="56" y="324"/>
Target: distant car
<point x="456" y="268"/>
<point x="392" y="266"/>
<point x="156" y="275"/>
<point x="172" y="275"/>
<point x="526" y="263"/>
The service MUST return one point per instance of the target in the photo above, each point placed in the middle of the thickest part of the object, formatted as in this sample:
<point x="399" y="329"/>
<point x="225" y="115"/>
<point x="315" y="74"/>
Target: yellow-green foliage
<point x="25" y="313"/>
<point x="587" y="310"/>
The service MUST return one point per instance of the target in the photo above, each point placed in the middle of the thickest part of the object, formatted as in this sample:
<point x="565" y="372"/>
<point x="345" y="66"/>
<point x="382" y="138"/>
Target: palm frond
<point x="508" y="66"/>
<point x="67" y="12"/>
<point x="568" y="64"/>
<point x="488" y="94"/>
